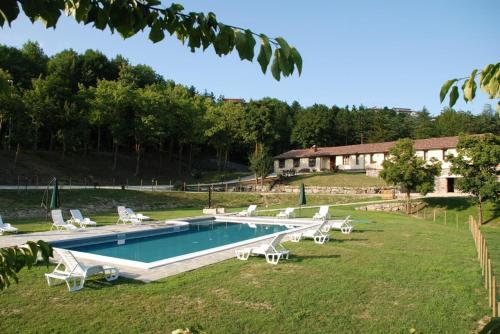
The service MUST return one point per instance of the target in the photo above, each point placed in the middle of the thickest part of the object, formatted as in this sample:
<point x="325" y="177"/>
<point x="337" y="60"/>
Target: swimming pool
<point x="149" y="249"/>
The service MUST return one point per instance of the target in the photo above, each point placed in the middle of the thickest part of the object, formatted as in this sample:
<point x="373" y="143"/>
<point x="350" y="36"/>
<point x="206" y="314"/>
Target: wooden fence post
<point x="184" y="186"/>
<point x="488" y="283"/>
<point x="434" y="215"/>
<point x="445" y="220"/>
<point x="496" y="307"/>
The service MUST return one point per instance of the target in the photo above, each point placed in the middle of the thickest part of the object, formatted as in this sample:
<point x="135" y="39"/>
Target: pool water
<point x="198" y="237"/>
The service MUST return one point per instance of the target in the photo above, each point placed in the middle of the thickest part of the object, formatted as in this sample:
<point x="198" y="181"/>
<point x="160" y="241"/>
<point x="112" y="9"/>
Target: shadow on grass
<point x="98" y="283"/>
<point x="347" y="240"/>
<point x="363" y="231"/>
<point x="300" y="258"/>
<point x="493" y="327"/>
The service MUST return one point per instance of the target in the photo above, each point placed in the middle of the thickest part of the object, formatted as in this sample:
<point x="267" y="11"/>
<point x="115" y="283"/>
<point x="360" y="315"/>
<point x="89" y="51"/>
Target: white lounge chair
<point x="77" y="218"/>
<point x="343" y="226"/>
<point x="59" y="223"/>
<point x="248" y="212"/>
<point x="139" y="216"/>
<point x="322" y="214"/>
<point x="319" y="233"/>
<point x="75" y="273"/>
<point x="288" y="213"/>
<point x="124" y="218"/>
<point x="4" y="227"/>
<point x="273" y="251"/>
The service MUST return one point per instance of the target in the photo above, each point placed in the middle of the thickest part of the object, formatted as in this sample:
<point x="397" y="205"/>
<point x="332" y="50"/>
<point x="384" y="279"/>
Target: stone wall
<point x="393" y="207"/>
<point x="326" y="190"/>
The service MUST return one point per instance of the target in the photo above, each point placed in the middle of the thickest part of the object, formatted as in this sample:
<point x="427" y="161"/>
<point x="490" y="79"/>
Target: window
<point x="345" y="160"/>
<point x="296" y="163"/>
<point x="282" y="163"/>
<point x="445" y="153"/>
<point x="372" y="158"/>
<point x="312" y="162"/>
<point x="425" y="155"/>
<point x="386" y="156"/>
<point x="357" y="159"/>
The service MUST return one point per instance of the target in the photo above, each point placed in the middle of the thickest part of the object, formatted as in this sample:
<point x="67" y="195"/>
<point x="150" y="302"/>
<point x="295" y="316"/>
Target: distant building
<point x="398" y="110"/>
<point x="234" y="100"/>
<point x="368" y="158"/>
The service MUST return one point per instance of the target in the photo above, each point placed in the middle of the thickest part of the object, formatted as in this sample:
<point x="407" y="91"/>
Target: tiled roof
<point x="420" y="144"/>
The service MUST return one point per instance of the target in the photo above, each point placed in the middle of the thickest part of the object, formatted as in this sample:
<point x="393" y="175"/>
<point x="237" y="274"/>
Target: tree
<point x="128" y="17"/>
<point x="313" y="126"/>
<point x="476" y="161"/>
<point x="261" y="163"/>
<point x="408" y="171"/>
<point x="489" y="82"/>
<point x="451" y="122"/>
<point x="424" y="127"/>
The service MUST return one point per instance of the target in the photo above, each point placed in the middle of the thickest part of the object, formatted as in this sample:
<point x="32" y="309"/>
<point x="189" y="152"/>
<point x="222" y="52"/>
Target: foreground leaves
<point x="128" y="17"/>
<point x="13" y="259"/>
<point x="489" y="82"/>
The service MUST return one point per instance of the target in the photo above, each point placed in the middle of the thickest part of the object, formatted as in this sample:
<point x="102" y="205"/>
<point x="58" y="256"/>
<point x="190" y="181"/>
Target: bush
<point x="304" y="170"/>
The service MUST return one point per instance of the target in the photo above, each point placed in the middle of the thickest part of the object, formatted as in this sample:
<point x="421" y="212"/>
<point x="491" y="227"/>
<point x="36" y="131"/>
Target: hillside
<point x="41" y="166"/>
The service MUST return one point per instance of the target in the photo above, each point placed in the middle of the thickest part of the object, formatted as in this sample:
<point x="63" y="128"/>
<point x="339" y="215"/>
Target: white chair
<point x="273" y="251"/>
<point x="343" y="226"/>
<point x="139" y="216"/>
<point x="248" y="212"/>
<point x="323" y="213"/>
<point x="4" y="227"/>
<point x="75" y="273"/>
<point x="124" y="218"/>
<point x="77" y="217"/>
<point x="59" y="223"/>
<point x="288" y="213"/>
<point x="319" y="233"/>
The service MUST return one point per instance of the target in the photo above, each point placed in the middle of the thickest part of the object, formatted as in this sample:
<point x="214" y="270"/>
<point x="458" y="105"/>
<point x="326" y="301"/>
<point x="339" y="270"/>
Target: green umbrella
<point x="302" y="195"/>
<point x="54" y="201"/>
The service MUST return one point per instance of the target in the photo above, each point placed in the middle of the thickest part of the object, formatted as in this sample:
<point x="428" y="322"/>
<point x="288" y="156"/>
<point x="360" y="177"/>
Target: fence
<point x="490" y="280"/>
<point x="441" y="216"/>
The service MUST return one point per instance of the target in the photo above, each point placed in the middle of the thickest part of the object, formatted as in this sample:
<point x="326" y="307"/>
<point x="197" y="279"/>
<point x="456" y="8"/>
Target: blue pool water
<point x="196" y="237"/>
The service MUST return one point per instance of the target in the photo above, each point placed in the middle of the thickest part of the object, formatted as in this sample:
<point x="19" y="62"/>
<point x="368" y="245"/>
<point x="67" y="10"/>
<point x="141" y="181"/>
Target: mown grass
<point x="392" y="274"/>
<point x="326" y="179"/>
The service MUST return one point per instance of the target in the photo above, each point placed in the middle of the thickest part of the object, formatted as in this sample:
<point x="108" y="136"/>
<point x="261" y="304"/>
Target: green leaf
<point x="156" y="34"/>
<point x="297" y="59"/>
<point x="9" y="10"/>
<point x="275" y="67"/>
<point x="285" y="48"/>
<point x="453" y="96"/>
<point x="265" y="53"/>
<point x="245" y="44"/>
<point x="286" y="64"/>
<point x="445" y="88"/>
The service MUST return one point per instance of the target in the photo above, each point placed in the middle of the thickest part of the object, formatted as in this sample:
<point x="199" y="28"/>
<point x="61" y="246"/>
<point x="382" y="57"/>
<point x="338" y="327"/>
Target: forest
<point x="81" y="103"/>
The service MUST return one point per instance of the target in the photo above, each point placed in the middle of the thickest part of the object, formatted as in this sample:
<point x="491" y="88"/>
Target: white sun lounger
<point x="319" y="233"/>
<point x="77" y="218"/>
<point x="273" y="251"/>
<point x="343" y="226"/>
<point x="4" y="227"/>
<point x="59" y="223"/>
<point x="124" y="218"/>
<point x="288" y="213"/>
<point x="322" y="214"/>
<point x="139" y="216"/>
<point x="248" y="212"/>
<point x="75" y="273"/>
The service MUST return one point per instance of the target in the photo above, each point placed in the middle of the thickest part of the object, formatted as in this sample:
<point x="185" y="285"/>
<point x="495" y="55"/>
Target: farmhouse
<point x="367" y="158"/>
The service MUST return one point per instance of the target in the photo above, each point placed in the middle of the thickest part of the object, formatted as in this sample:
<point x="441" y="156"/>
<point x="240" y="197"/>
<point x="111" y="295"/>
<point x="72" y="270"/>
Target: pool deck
<point x="145" y="275"/>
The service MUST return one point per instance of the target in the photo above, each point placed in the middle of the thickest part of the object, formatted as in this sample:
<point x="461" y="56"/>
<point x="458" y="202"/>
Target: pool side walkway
<point x="145" y="275"/>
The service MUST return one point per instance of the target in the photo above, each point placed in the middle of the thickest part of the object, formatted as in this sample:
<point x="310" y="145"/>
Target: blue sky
<point x="376" y="53"/>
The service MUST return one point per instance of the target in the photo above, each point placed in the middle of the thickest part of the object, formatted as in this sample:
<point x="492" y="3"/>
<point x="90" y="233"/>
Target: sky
<point x="375" y="53"/>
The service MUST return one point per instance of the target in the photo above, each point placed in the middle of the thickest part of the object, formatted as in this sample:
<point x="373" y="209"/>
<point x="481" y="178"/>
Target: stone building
<point x="368" y="158"/>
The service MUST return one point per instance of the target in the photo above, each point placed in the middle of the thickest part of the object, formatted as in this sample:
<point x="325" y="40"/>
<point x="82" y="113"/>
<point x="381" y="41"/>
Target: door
<point x="332" y="163"/>
<point x="451" y="184"/>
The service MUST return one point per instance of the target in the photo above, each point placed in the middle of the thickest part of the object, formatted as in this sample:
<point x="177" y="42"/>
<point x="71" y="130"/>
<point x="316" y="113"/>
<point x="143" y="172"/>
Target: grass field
<point x="393" y="274"/>
<point x="336" y="180"/>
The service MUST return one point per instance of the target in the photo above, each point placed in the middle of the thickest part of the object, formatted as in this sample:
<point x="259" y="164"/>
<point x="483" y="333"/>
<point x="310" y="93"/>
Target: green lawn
<point x="392" y="274"/>
<point x="336" y="180"/>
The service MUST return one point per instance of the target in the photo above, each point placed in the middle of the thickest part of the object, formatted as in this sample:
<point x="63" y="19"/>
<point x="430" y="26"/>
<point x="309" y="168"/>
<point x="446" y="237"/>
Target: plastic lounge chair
<point x="139" y="216"/>
<point x="59" y="223"/>
<point x="4" y="227"/>
<point x="124" y="218"/>
<point x="273" y="251"/>
<point x="75" y="273"/>
<point x="319" y="233"/>
<point x="248" y="212"/>
<point x="322" y="214"/>
<point x="288" y="213"/>
<point x="77" y="218"/>
<point x="343" y="226"/>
